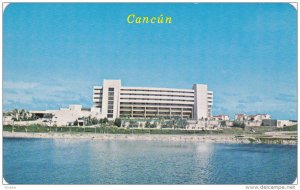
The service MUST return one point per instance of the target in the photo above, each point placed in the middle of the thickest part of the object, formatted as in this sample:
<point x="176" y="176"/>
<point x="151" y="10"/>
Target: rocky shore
<point x="148" y="137"/>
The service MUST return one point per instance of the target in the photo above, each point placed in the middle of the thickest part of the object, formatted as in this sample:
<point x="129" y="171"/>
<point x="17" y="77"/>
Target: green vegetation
<point x="233" y="131"/>
<point x="118" y="122"/>
<point x="147" y="125"/>
<point x="20" y="115"/>
<point x="248" y="130"/>
<point x="104" y="129"/>
<point x="258" y="130"/>
<point x="89" y="121"/>
<point x="149" y="128"/>
<point x="238" y="124"/>
<point x="248" y="133"/>
<point x="158" y="122"/>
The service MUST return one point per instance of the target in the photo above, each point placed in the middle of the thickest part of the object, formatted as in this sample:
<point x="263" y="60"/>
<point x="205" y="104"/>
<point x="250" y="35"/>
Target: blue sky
<point x="247" y="53"/>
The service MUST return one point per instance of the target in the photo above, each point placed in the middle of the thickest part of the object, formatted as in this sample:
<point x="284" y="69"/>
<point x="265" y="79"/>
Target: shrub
<point x="118" y="122"/>
<point x="238" y="124"/>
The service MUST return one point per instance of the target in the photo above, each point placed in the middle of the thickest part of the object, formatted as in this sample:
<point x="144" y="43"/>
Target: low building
<point x="8" y="120"/>
<point x="241" y="117"/>
<point x="285" y="123"/>
<point x="258" y="117"/>
<point x="221" y="118"/>
<point x="68" y="116"/>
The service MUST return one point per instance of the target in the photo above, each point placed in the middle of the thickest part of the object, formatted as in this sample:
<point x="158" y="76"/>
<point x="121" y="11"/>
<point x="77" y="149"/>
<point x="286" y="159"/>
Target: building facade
<point x="257" y="117"/>
<point x="65" y="116"/>
<point x="115" y="100"/>
<point x="221" y="117"/>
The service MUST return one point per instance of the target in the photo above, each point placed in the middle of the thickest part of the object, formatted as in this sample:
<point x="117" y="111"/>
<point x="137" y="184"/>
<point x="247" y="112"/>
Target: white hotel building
<point x="115" y="100"/>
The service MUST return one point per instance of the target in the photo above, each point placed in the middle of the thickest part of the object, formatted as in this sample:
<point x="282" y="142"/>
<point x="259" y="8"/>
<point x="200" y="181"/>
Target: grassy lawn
<point x="106" y="130"/>
<point x="259" y="131"/>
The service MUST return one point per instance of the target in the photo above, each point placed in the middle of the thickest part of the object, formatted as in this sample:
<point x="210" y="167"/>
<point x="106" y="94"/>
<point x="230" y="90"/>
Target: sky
<point x="53" y="54"/>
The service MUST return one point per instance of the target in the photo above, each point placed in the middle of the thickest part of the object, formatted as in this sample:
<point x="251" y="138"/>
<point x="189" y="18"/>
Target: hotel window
<point x="110" y="93"/>
<point x="110" y="107"/>
<point x="109" y="115"/>
<point x="110" y="111"/>
<point x="111" y="89"/>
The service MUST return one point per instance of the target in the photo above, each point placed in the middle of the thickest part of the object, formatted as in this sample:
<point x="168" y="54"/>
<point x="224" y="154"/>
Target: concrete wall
<point x="253" y="123"/>
<point x="116" y="85"/>
<point x="283" y="123"/>
<point x="269" y="122"/>
<point x="200" y="101"/>
<point x="97" y="97"/>
<point x="65" y="116"/>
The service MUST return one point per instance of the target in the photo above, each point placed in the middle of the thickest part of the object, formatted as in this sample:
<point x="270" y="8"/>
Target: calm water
<point x="65" y="161"/>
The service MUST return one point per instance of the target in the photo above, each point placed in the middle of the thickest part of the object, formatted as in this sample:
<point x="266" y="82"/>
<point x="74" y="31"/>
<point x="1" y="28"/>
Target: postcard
<point x="150" y="94"/>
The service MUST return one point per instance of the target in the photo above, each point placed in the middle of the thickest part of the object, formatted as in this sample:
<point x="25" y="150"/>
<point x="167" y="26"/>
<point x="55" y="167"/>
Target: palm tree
<point x="22" y="114"/>
<point x="15" y="114"/>
<point x="26" y="114"/>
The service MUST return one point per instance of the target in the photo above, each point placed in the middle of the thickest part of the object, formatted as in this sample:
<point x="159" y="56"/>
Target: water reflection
<point x="77" y="161"/>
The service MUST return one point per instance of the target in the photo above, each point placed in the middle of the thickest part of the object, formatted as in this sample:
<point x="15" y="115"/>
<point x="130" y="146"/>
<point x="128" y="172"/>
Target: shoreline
<point x="226" y="139"/>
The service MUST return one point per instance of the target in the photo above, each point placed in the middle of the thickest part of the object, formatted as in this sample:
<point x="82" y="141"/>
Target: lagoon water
<point x="77" y="161"/>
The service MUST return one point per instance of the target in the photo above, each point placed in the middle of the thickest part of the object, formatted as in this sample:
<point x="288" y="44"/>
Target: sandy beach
<point x="148" y="137"/>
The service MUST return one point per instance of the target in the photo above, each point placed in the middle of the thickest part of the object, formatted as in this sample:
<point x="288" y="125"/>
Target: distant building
<point x="285" y="123"/>
<point x="203" y="125"/>
<point x="259" y="117"/>
<point x="115" y="100"/>
<point x="221" y="118"/>
<point x="8" y="120"/>
<point x="241" y="117"/>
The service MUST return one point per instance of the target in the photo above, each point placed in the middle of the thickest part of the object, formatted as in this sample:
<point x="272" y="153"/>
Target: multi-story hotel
<point x="115" y="100"/>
